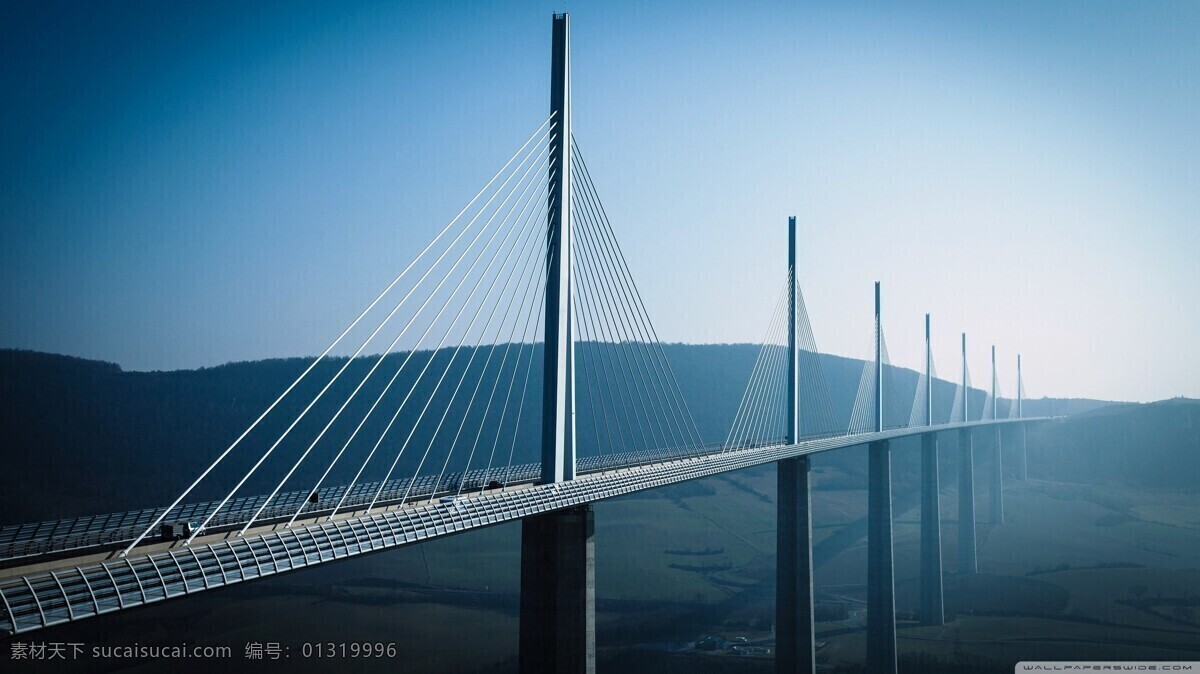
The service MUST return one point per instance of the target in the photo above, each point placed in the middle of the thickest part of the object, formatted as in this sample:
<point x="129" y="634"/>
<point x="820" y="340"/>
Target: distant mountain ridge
<point x="77" y="433"/>
<point x="1154" y="445"/>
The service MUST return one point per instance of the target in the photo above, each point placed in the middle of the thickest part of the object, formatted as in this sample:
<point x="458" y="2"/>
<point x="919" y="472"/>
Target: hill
<point x="82" y="436"/>
<point x="1092" y="552"/>
<point x="1154" y="445"/>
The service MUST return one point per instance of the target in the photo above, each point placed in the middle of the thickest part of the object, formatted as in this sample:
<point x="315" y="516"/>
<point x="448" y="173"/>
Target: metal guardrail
<point x="42" y="538"/>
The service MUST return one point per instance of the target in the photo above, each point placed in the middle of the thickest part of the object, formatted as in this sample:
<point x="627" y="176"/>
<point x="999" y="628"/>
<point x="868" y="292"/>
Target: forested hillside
<point x="81" y="436"/>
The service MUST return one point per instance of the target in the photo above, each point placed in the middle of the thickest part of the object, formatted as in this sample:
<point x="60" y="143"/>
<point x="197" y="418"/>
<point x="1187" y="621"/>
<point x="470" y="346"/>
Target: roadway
<point x="75" y="583"/>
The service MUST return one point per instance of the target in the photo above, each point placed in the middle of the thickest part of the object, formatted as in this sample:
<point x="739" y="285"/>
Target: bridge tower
<point x="795" y="647"/>
<point x="996" y="497"/>
<point x="558" y="602"/>
<point x="932" y="604"/>
<point x="881" y="589"/>
<point x="966" y="481"/>
<point x="558" y="387"/>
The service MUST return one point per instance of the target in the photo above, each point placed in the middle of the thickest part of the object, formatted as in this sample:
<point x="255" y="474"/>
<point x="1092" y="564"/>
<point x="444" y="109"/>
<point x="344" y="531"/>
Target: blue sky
<point x="188" y="184"/>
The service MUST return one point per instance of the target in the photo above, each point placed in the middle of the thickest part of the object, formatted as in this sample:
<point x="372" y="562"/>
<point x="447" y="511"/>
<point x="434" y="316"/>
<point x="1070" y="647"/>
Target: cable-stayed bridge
<point x="516" y="375"/>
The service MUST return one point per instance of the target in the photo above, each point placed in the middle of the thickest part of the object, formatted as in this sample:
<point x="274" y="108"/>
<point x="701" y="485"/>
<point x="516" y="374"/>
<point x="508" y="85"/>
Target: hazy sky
<point x="185" y="184"/>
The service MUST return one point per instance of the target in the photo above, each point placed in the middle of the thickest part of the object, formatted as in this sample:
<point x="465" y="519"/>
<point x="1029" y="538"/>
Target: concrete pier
<point x="932" y="606"/>
<point x="881" y="590"/>
<point x="996" y="483"/>
<point x="966" y="504"/>
<point x="1023" y="457"/>
<point x="1022" y="454"/>
<point x="795" y="650"/>
<point x="996" y="491"/>
<point x="558" y="592"/>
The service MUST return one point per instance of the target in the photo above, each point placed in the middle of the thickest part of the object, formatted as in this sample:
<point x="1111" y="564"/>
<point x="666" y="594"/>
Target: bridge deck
<point x="19" y="542"/>
<point x="71" y="588"/>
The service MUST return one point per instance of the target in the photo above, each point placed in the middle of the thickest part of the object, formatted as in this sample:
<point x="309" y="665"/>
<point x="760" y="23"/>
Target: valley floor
<point x="1076" y="572"/>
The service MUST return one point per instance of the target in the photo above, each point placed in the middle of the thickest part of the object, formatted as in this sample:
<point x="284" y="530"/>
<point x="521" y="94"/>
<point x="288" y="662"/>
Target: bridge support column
<point x="996" y="484"/>
<point x="795" y="647"/>
<point x="932" y="607"/>
<point x="558" y="382"/>
<point x="558" y="592"/>
<point x="996" y="497"/>
<point x="1023" y="468"/>
<point x="966" y="504"/>
<point x="881" y="589"/>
